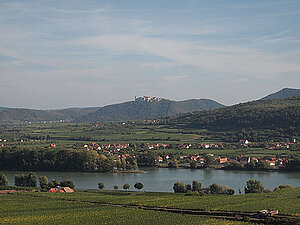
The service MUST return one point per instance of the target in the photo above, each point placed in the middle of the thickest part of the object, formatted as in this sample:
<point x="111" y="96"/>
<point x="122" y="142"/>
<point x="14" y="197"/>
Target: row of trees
<point x="137" y="185"/>
<point x="196" y="189"/>
<point x="31" y="179"/>
<point x="39" y="159"/>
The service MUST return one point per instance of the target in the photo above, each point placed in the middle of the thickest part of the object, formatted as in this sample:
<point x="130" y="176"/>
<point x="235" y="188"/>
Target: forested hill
<point x="141" y="109"/>
<point x="261" y="114"/>
<point x="284" y="93"/>
<point x="132" y="110"/>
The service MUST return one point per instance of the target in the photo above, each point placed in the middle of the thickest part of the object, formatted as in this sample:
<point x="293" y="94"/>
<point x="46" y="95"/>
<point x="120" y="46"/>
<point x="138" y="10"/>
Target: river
<point x="162" y="179"/>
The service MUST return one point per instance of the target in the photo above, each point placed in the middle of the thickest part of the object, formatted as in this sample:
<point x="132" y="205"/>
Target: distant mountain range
<point x="283" y="93"/>
<point x="141" y="108"/>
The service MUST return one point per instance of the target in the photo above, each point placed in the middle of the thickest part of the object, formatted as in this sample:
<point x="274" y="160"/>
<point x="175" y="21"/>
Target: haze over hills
<point x="283" y="93"/>
<point x="141" y="108"/>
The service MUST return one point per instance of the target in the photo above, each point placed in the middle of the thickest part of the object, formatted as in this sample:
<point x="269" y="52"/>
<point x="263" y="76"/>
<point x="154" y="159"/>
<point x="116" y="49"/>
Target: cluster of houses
<point x="278" y="146"/>
<point x="222" y="160"/>
<point x="2" y="140"/>
<point x="48" y="121"/>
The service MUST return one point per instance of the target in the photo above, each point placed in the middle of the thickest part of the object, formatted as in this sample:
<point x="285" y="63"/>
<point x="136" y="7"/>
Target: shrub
<point x="3" y="180"/>
<point x="101" y="185"/>
<point x="138" y="185"/>
<point x="188" y="187"/>
<point x="44" y="182"/>
<point x="285" y="186"/>
<point x="196" y="186"/>
<point x="254" y="186"/>
<point x="116" y="187"/>
<point x="53" y="183"/>
<point x="179" y="187"/>
<point x="126" y="186"/>
<point x="67" y="183"/>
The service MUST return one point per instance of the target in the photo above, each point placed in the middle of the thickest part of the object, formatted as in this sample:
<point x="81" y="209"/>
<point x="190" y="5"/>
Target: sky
<point x="72" y="53"/>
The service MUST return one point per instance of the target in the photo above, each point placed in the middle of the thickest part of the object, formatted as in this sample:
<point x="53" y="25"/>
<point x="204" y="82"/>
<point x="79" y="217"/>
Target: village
<point x="126" y="150"/>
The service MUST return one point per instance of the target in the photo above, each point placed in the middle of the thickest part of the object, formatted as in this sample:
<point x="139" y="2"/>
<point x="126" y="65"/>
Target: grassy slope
<point x="23" y="209"/>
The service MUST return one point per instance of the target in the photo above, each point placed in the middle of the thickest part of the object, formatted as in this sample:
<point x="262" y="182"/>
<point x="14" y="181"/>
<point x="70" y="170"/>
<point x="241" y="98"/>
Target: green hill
<point x="142" y="109"/>
<point x="284" y="93"/>
<point x="261" y="114"/>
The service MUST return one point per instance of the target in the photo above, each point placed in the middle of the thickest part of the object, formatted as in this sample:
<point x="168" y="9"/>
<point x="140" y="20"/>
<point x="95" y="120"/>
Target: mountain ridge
<point x="283" y="93"/>
<point x="140" y="108"/>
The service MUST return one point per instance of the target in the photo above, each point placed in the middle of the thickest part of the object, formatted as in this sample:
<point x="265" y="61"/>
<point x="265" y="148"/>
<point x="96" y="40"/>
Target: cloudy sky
<point x="67" y="53"/>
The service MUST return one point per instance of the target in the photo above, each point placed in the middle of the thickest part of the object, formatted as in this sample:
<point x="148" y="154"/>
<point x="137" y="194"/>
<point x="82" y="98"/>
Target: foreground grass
<point x="286" y="201"/>
<point x="26" y="209"/>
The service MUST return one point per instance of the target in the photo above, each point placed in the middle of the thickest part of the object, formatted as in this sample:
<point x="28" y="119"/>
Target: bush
<point x="196" y="186"/>
<point x="285" y="186"/>
<point x="3" y="180"/>
<point x="53" y="183"/>
<point x="101" y="185"/>
<point x="215" y="189"/>
<point x="126" y="186"/>
<point x="44" y="182"/>
<point x="254" y="186"/>
<point x="188" y="187"/>
<point x="192" y="193"/>
<point x="116" y="187"/>
<point x="26" y="181"/>
<point x="179" y="187"/>
<point x="138" y="185"/>
<point x="67" y="183"/>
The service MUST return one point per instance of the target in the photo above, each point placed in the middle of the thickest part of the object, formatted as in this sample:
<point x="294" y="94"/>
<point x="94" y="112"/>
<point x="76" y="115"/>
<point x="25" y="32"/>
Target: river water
<point x="162" y="179"/>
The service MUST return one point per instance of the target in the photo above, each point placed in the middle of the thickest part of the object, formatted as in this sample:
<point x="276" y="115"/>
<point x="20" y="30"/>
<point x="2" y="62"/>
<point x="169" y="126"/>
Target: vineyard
<point x="25" y="209"/>
<point x="286" y="201"/>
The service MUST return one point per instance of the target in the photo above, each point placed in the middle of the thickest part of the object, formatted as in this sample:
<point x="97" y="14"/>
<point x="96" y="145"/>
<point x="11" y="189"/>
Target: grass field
<point x="26" y="209"/>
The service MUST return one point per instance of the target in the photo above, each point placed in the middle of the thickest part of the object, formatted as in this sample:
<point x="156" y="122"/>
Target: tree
<point x="173" y="164"/>
<point x="193" y="164"/>
<point x="123" y="164"/>
<point x="208" y="161"/>
<point x="179" y="187"/>
<point x="196" y="186"/>
<point x="53" y="183"/>
<point x="215" y="189"/>
<point x="188" y="187"/>
<point x="67" y="183"/>
<point x="101" y="185"/>
<point x="43" y="182"/>
<point x="3" y="180"/>
<point x="116" y="187"/>
<point x="20" y="180"/>
<point x="138" y="185"/>
<point x="126" y="186"/>
<point x="31" y="180"/>
<point x="254" y="186"/>
<point x="146" y="159"/>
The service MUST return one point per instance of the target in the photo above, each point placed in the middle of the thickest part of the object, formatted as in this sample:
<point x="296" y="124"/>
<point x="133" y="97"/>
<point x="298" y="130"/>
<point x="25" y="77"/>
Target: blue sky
<point x="58" y="54"/>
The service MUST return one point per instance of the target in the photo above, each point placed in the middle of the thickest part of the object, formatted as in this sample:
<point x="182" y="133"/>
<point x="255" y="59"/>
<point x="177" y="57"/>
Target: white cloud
<point x="222" y="59"/>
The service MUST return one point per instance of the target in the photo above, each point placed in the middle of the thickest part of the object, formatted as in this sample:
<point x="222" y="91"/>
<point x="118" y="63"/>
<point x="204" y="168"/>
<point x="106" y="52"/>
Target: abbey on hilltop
<point x="148" y="99"/>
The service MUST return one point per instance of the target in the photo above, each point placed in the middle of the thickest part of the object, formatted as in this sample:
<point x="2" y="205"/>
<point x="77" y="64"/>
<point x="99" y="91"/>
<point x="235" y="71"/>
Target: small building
<point x="59" y="189"/>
